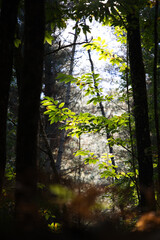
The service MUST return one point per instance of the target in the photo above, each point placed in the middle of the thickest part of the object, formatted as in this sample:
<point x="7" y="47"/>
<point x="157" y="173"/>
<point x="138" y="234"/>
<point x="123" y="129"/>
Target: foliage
<point x="48" y="37"/>
<point x="105" y="54"/>
<point x="56" y="111"/>
<point x="125" y="174"/>
<point x="88" y="123"/>
<point x="84" y="122"/>
<point x="10" y="173"/>
<point x="49" y="217"/>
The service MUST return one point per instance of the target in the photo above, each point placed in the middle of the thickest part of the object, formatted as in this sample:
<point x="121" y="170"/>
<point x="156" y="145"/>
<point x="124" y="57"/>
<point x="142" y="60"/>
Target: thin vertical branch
<point x="67" y="99"/>
<point x="100" y="103"/>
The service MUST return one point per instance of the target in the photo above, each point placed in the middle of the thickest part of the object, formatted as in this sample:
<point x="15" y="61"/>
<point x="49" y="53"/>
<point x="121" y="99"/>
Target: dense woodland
<point x="78" y="159"/>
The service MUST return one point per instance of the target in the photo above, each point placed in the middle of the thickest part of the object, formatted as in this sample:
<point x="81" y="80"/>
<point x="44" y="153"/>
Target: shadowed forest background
<point x="79" y="119"/>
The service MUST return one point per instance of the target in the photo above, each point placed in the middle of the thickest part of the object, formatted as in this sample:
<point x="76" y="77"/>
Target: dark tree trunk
<point x="133" y="152"/>
<point x="155" y="84"/>
<point x="7" y="29"/>
<point x="147" y="201"/>
<point x="28" y="115"/>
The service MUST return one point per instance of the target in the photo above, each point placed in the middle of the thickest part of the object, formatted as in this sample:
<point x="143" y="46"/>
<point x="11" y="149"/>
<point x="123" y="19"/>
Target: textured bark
<point x="28" y="115"/>
<point x="7" y="29"/>
<point x="147" y="201"/>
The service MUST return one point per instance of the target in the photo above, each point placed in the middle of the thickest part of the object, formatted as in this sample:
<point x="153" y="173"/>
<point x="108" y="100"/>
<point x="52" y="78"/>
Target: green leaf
<point x="103" y="41"/>
<point x="48" y="37"/>
<point x="99" y="39"/>
<point x="81" y="153"/>
<point x="91" y="160"/>
<point x="61" y="77"/>
<point x="17" y="42"/>
<point x="61" y="105"/>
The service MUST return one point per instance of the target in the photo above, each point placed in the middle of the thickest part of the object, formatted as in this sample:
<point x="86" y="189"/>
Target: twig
<point x="15" y="124"/>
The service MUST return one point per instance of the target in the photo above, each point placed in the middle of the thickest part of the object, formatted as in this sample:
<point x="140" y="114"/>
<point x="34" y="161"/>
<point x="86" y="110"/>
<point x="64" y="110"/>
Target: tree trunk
<point x="155" y="84"/>
<point x="28" y="116"/>
<point x="67" y="98"/>
<point x="7" y="29"/>
<point x="108" y="135"/>
<point x="147" y="201"/>
<point x="133" y="153"/>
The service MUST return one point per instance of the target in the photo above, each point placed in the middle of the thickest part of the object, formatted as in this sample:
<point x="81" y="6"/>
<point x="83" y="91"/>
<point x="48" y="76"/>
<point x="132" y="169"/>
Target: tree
<point x="67" y="100"/>
<point x="8" y="18"/>
<point x="54" y="62"/>
<point x="28" y="116"/>
<point x="101" y="106"/>
<point x="126" y="14"/>
<point x="140" y="112"/>
<point x="29" y="68"/>
<point x="155" y="83"/>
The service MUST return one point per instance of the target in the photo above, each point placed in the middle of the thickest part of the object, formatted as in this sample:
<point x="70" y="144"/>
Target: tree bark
<point x="7" y="29"/>
<point x="28" y="116"/>
<point x="147" y="201"/>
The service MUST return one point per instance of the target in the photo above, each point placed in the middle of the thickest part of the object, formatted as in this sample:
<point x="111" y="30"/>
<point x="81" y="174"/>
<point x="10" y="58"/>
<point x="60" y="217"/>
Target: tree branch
<point x="65" y="46"/>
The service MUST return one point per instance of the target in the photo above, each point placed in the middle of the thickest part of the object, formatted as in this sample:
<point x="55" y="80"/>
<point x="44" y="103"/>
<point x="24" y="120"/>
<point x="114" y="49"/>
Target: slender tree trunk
<point x="28" y="116"/>
<point x="67" y="99"/>
<point x="8" y="18"/>
<point x="147" y="201"/>
<point x="108" y="135"/>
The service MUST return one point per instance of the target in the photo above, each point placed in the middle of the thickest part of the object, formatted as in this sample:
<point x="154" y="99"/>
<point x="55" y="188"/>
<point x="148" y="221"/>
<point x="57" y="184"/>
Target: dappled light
<point x="79" y="119"/>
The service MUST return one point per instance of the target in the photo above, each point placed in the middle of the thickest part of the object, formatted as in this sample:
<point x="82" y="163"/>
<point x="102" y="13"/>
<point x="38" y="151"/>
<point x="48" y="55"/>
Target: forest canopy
<point x="79" y="118"/>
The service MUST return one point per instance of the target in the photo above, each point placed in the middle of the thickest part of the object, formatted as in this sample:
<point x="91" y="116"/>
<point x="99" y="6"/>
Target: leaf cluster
<point x="100" y="46"/>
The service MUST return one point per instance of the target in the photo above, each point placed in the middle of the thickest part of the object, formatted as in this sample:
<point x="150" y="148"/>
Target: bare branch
<point x="65" y="46"/>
